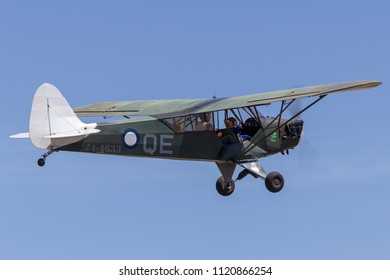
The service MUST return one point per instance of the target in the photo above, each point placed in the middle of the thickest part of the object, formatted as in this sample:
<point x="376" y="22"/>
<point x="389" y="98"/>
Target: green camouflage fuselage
<point x="150" y="137"/>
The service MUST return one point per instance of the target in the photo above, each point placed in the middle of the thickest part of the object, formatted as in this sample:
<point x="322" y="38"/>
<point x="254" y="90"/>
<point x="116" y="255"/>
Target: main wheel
<point x="274" y="182"/>
<point x="224" y="188"/>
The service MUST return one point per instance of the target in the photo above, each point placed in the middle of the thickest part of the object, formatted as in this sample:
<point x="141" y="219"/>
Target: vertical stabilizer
<point x="53" y="123"/>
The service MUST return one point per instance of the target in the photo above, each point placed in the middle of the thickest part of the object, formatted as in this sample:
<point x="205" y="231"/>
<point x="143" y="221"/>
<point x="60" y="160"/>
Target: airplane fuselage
<point x="150" y="137"/>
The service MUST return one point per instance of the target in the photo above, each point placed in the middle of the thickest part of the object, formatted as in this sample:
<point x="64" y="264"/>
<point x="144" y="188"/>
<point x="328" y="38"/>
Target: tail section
<point x="53" y="123"/>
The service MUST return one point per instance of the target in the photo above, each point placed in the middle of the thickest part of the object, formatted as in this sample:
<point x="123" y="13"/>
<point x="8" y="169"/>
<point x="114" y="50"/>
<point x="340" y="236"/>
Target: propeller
<point x="307" y="153"/>
<point x="295" y="108"/>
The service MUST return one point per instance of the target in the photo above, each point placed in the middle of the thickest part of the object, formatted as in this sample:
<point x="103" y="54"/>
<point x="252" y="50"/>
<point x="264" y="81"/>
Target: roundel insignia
<point x="130" y="138"/>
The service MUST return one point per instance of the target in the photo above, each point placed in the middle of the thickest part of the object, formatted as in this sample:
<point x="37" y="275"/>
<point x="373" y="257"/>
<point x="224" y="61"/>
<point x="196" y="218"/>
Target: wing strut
<point x="284" y="105"/>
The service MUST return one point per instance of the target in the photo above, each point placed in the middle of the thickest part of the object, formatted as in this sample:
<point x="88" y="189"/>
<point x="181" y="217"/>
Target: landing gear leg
<point x="274" y="181"/>
<point x="42" y="160"/>
<point x="225" y="184"/>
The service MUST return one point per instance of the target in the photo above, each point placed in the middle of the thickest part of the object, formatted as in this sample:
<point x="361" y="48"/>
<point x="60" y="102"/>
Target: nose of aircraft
<point x="295" y="128"/>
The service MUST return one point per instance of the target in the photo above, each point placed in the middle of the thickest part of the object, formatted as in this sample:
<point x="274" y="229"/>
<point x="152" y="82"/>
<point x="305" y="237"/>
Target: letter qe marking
<point x="152" y="147"/>
<point x="165" y="144"/>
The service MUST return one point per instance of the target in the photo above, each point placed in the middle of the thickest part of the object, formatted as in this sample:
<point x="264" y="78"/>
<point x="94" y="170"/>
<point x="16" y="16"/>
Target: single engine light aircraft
<point x="227" y="131"/>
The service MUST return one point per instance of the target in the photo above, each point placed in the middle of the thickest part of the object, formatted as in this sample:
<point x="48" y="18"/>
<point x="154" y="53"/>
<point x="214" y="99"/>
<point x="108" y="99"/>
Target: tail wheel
<point x="274" y="182"/>
<point x="224" y="188"/>
<point x="41" y="162"/>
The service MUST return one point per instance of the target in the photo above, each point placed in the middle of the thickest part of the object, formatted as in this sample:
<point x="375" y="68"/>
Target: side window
<point x="194" y="122"/>
<point x="177" y="124"/>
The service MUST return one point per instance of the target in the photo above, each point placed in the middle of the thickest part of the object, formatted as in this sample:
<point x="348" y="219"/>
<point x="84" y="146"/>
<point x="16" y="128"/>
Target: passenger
<point x="232" y="124"/>
<point x="204" y="123"/>
<point x="226" y="139"/>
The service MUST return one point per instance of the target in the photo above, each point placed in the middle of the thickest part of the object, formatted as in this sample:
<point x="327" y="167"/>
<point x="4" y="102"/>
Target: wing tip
<point x="368" y="84"/>
<point x="376" y="83"/>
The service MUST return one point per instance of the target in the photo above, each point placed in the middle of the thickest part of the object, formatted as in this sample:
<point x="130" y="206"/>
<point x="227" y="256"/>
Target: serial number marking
<point x="102" y="148"/>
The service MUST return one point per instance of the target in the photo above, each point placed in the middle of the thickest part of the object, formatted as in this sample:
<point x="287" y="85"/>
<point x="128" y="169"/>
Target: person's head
<point x="205" y="117"/>
<point x="231" y="122"/>
<point x="219" y="133"/>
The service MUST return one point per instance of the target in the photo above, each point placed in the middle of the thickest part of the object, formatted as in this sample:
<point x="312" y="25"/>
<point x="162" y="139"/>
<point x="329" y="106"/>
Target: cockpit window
<point x="249" y="118"/>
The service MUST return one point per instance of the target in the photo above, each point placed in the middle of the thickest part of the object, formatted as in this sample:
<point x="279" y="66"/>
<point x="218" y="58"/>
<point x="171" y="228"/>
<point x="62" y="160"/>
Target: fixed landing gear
<point x="224" y="188"/>
<point x="274" y="182"/>
<point x="41" y="162"/>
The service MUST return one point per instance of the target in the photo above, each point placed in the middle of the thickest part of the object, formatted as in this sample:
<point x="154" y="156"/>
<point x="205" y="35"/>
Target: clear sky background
<point x="336" y="200"/>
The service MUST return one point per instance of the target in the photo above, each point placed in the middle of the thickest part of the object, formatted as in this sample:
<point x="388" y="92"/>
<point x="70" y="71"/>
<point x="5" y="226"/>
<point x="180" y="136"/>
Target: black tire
<point x="41" y="162"/>
<point x="223" y="188"/>
<point x="274" y="182"/>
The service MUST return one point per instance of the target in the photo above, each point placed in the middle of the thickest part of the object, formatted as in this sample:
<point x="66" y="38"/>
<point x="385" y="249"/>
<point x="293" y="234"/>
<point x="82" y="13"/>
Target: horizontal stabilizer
<point x="24" y="135"/>
<point x="66" y="135"/>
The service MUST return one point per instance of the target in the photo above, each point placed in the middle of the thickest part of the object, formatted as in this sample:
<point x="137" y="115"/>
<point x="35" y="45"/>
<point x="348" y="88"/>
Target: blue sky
<point x="336" y="200"/>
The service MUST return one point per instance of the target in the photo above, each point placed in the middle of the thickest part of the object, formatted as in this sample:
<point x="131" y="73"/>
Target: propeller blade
<point x="307" y="153"/>
<point x="295" y="108"/>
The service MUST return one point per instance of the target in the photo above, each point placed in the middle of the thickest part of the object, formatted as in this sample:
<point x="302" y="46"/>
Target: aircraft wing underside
<point x="172" y="108"/>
